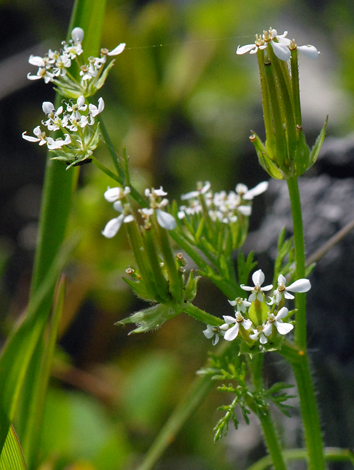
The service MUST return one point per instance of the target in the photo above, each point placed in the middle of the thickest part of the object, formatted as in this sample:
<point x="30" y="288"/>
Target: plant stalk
<point x="308" y="404"/>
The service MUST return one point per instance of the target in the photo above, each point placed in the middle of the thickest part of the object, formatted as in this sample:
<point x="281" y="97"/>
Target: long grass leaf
<point x="11" y="457"/>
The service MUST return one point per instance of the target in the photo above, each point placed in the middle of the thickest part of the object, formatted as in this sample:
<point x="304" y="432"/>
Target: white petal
<point x="267" y="288"/>
<point x="215" y="340"/>
<point x="258" y="277"/>
<point x="244" y="49"/>
<point x="118" y="50"/>
<point x="309" y="51"/>
<point x="241" y="189"/>
<point x="281" y="280"/>
<point x="281" y="51"/>
<point x="283" y="312"/>
<point x="288" y="296"/>
<point x="189" y="195"/>
<point x="48" y="107"/>
<point x="245" y="210"/>
<point x="33" y="77"/>
<point x="229" y="320"/>
<point x="160" y="192"/>
<point x="283" y="328"/>
<point x="256" y="191"/>
<point x="128" y="218"/>
<point x="247" y="324"/>
<point x="263" y="339"/>
<point x="118" y="206"/>
<point x="36" y="60"/>
<point x="112" y="227"/>
<point x="301" y="285"/>
<point x="147" y="212"/>
<point x="231" y="334"/>
<point x="112" y="194"/>
<point x="80" y="101"/>
<point x="29" y="138"/>
<point x="247" y="288"/>
<point x="77" y="34"/>
<point x="100" y="105"/>
<point x="206" y="187"/>
<point x="232" y="302"/>
<point x="267" y="329"/>
<point x="165" y="220"/>
<point x="208" y="333"/>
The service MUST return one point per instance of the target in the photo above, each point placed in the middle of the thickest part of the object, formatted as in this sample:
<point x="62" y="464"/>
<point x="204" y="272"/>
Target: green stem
<point x="272" y="440"/>
<point x="308" y="405"/>
<point x="202" y="316"/>
<point x="269" y="432"/>
<point x="195" y="395"/>
<point x="299" y="244"/>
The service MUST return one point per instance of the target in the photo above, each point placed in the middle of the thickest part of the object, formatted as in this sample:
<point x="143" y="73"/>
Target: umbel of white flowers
<point x="246" y="325"/>
<point x="78" y="126"/>
<point x="55" y="67"/>
<point x="285" y="153"/>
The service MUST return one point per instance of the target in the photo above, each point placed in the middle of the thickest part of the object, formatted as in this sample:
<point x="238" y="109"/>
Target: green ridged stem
<point x="144" y="267"/>
<point x="174" y="276"/>
<point x="204" y="317"/>
<point x="294" y="67"/>
<point x="267" y="114"/>
<point x="308" y="404"/>
<point x="160" y="280"/>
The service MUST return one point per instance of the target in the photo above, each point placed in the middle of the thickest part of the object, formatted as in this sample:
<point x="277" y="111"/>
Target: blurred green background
<point x="183" y="103"/>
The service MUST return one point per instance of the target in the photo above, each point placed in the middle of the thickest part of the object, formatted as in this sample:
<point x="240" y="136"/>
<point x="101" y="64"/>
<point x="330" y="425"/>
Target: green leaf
<point x="318" y="144"/>
<point x="36" y="384"/>
<point x="11" y="457"/>
<point x="22" y="342"/>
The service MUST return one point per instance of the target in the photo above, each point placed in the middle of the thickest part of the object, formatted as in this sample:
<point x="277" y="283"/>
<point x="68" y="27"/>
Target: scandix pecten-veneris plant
<point x="208" y="227"/>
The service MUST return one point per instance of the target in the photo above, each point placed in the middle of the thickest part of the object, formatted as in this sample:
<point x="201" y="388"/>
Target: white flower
<point x="232" y="332"/>
<point x="39" y="136"/>
<point x="79" y="106"/>
<point x="259" y="333"/>
<point x="213" y="332"/>
<point x="280" y="49"/>
<point x="240" y="303"/>
<point x="164" y="219"/>
<point x="44" y="73"/>
<point x="117" y="50"/>
<point x="94" y="110"/>
<point x="258" y="279"/>
<point x="283" y="328"/>
<point x="115" y="224"/>
<point x="280" y="45"/>
<point x="248" y="194"/>
<point x="301" y="285"/>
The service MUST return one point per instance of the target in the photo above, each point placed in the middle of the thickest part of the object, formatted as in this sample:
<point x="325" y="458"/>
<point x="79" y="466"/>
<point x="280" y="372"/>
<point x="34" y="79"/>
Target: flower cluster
<point x="219" y="219"/>
<point x="224" y="207"/>
<point x="285" y="153"/>
<point x="280" y="44"/>
<point x="256" y="320"/>
<point x="120" y="204"/>
<point x="55" y="67"/>
<point x="157" y="202"/>
<point x="76" y="122"/>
